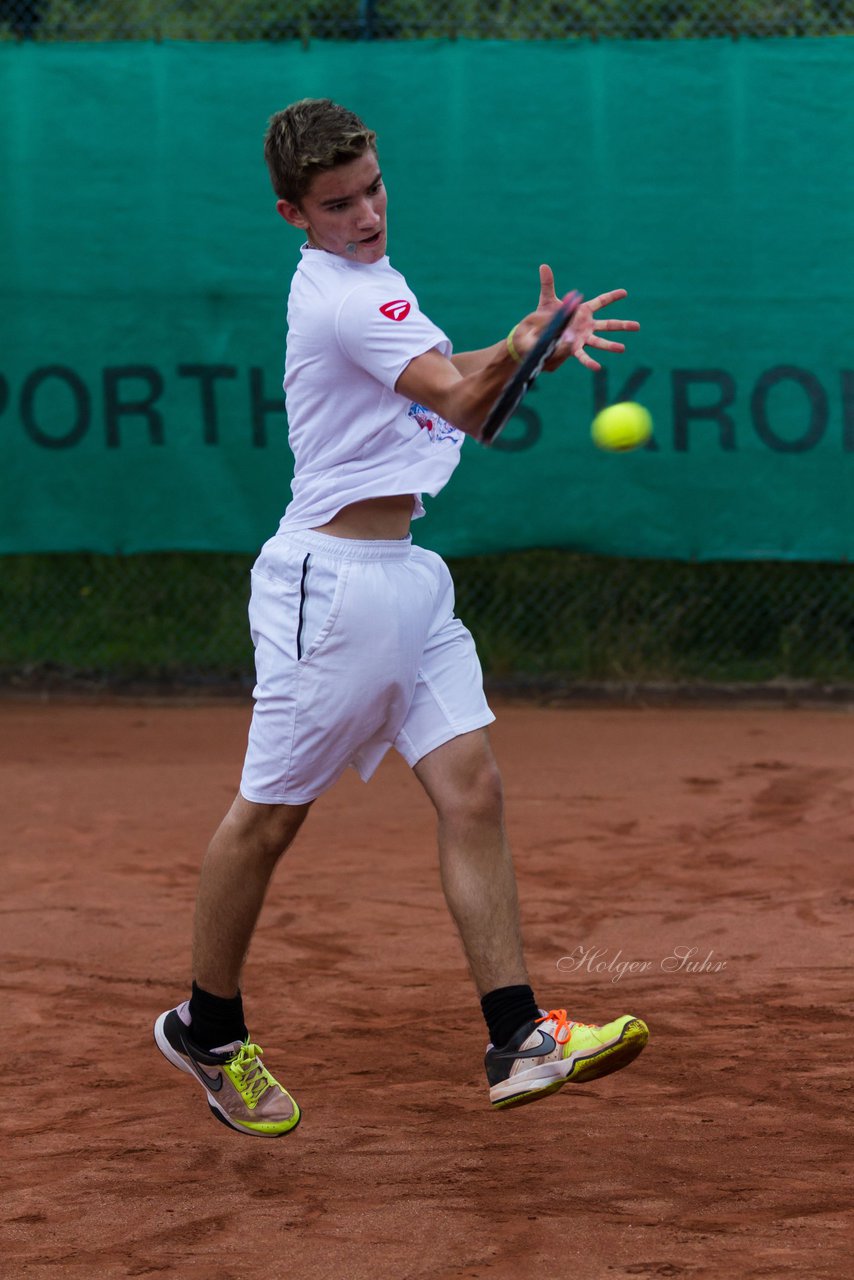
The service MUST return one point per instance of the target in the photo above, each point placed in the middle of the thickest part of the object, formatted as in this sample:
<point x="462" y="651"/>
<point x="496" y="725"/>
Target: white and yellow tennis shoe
<point x="552" y="1051"/>
<point x="241" y="1092"/>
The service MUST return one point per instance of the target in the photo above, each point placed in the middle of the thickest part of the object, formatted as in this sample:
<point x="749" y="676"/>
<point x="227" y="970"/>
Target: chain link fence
<point x="540" y="618"/>
<point x="420" y="19"/>
<point x="574" y="621"/>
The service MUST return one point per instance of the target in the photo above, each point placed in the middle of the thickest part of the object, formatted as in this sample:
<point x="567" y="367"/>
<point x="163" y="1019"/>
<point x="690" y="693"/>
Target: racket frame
<point x="518" y="386"/>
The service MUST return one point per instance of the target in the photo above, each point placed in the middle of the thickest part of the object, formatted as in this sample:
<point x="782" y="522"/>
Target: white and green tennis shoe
<point x="552" y="1051"/>
<point x="241" y="1092"/>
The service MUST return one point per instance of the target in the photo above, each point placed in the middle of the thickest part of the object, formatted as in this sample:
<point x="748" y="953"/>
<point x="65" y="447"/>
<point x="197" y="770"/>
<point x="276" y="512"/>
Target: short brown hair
<point x="309" y="137"/>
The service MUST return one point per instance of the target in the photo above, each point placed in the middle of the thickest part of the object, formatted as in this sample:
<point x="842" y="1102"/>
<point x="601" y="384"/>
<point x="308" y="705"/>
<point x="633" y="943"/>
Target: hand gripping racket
<point x="529" y="370"/>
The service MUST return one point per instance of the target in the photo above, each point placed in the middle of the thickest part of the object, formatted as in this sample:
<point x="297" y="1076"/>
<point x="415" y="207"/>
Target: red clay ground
<point x="724" y="1151"/>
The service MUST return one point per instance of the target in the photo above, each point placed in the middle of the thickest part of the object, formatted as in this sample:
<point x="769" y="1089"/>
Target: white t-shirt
<point x="352" y="329"/>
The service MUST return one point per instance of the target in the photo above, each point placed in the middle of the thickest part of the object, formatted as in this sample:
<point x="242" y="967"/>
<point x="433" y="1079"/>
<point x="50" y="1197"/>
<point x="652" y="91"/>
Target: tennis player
<point x="357" y="647"/>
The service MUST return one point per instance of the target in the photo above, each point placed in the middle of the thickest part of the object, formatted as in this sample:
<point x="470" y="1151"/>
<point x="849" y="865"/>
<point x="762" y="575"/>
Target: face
<point x="344" y="206"/>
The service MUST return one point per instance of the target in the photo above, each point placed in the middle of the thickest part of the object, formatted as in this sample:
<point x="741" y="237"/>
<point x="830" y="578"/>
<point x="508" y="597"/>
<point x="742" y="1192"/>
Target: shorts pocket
<point x="322" y="586"/>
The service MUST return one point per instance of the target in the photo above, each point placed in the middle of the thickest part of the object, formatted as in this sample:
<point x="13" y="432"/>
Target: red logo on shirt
<point x="397" y="310"/>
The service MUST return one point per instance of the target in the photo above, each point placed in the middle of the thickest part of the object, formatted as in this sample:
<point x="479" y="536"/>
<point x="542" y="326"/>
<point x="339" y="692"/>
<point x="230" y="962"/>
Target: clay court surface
<point x="641" y="836"/>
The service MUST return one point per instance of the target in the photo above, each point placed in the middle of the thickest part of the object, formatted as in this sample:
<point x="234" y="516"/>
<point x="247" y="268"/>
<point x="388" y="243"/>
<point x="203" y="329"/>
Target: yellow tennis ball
<point x="622" y="426"/>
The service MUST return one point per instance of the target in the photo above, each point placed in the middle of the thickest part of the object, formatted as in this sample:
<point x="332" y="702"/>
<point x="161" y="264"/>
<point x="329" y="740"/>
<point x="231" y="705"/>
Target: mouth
<point x="370" y="241"/>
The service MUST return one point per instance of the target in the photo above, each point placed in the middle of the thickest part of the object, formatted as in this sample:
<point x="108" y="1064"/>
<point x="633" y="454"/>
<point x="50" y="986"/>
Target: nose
<point x="368" y="215"/>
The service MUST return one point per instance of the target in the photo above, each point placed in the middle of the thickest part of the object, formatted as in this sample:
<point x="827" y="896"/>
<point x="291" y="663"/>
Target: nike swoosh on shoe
<point x="545" y="1047"/>
<point x="214" y="1083"/>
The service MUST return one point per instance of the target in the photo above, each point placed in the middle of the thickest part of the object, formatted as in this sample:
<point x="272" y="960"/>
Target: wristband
<point x="510" y="346"/>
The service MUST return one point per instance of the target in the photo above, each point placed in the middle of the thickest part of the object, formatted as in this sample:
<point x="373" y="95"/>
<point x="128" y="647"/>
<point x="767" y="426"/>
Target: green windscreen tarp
<point x="145" y="272"/>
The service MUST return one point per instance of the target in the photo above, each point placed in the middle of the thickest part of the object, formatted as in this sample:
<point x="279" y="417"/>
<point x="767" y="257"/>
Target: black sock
<point x="215" y="1021"/>
<point x="506" y="1010"/>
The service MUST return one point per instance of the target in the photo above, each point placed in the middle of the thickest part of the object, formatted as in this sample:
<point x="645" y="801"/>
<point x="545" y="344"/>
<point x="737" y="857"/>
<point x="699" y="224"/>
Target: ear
<point x="292" y="214"/>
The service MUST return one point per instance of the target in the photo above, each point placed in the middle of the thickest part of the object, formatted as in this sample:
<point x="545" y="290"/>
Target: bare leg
<point x="462" y="780"/>
<point x="235" y="873"/>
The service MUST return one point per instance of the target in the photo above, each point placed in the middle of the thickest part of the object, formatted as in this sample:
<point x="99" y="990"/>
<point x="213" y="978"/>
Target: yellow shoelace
<point x="249" y="1075"/>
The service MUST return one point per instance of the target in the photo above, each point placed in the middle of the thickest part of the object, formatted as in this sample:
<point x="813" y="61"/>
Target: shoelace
<point x="564" y="1024"/>
<point x="251" y="1078"/>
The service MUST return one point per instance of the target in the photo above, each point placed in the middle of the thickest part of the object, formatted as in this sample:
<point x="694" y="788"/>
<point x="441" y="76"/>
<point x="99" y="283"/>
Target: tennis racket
<point x="529" y="370"/>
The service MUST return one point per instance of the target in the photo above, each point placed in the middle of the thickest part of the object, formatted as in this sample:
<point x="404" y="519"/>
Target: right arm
<point x="463" y="399"/>
<point x="464" y="388"/>
<point x="472" y="361"/>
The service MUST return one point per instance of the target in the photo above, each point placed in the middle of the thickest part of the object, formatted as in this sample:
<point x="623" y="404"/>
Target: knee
<point x="265" y="830"/>
<point x="477" y="796"/>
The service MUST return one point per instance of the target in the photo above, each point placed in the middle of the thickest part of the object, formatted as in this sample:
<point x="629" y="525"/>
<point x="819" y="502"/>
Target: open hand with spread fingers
<point x="586" y="327"/>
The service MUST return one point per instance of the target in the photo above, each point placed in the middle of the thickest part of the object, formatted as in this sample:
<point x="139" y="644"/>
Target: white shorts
<point x="356" y="650"/>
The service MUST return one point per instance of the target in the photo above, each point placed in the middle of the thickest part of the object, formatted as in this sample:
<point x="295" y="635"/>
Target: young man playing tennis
<point x="357" y="648"/>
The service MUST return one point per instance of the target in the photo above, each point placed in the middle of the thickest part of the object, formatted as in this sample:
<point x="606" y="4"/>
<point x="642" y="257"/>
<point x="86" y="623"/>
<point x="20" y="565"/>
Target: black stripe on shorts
<point x="301" y="606"/>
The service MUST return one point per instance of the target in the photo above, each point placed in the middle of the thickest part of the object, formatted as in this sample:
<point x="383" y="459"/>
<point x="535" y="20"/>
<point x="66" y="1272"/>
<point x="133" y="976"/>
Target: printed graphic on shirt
<point x="437" y="428"/>
<point x="396" y="310"/>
